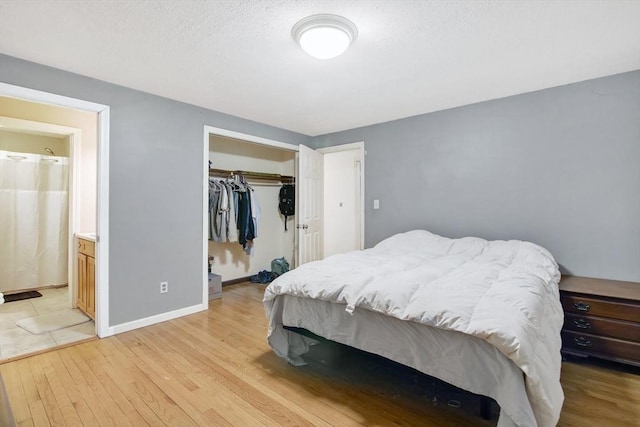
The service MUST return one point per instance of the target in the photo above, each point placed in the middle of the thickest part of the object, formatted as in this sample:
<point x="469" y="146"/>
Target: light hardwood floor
<point x="216" y="369"/>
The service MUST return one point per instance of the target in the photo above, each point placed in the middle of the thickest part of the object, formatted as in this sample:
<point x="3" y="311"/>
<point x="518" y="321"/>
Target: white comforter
<point x="503" y="292"/>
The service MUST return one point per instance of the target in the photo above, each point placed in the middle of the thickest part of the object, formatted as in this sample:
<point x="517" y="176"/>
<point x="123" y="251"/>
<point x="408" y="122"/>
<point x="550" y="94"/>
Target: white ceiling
<point x="410" y="57"/>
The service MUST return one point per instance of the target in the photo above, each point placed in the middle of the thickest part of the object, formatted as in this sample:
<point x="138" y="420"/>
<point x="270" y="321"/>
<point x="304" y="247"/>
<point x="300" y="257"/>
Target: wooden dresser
<point x="601" y="318"/>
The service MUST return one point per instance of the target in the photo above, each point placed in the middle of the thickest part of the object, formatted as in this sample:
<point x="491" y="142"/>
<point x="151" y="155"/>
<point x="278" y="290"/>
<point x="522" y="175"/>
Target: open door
<point x="309" y="196"/>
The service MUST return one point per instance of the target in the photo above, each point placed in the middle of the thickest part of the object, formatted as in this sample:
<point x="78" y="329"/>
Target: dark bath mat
<point x="21" y="295"/>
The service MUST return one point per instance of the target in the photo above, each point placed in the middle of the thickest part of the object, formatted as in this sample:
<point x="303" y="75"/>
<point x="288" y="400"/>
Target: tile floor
<point x="15" y="341"/>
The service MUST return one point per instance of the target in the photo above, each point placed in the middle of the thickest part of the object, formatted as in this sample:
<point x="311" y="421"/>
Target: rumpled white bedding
<point x="502" y="292"/>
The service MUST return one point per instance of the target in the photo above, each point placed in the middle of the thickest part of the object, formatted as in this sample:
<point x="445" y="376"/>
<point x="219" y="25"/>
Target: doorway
<point x="262" y="169"/>
<point x="343" y="207"/>
<point x="100" y="188"/>
<point x="37" y="167"/>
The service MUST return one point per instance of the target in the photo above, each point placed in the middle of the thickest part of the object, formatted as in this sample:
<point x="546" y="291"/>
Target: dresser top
<point x="601" y="287"/>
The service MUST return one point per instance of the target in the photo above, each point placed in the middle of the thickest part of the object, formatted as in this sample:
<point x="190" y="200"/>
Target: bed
<point x="482" y="315"/>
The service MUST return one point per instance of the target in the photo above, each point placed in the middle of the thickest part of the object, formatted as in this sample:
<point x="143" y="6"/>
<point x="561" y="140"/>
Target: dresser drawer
<point x="602" y="326"/>
<point x="591" y="344"/>
<point x="87" y="247"/>
<point x="578" y="304"/>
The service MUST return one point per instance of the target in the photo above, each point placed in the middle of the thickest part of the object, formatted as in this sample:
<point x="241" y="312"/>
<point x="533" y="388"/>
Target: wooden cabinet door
<point x="82" y="282"/>
<point x="91" y="287"/>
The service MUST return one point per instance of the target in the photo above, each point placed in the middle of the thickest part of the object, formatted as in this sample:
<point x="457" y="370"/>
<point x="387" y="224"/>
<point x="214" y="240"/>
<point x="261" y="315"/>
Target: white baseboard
<point x="152" y="320"/>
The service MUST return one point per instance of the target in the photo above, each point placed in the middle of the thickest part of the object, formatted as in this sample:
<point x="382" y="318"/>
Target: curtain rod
<point x="253" y="175"/>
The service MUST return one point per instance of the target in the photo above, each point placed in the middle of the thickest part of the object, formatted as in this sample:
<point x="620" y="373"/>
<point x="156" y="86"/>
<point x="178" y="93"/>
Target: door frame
<point x="208" y="131"/>
<point x="361" y="148"/>
<point x="102" y="188"/>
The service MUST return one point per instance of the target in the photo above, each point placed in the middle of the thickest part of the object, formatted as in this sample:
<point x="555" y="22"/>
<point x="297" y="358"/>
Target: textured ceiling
<point x="410" y="57"/>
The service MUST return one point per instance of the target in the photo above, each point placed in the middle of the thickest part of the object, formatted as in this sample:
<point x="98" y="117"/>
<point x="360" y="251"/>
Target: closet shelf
<point x="251" y="175"/>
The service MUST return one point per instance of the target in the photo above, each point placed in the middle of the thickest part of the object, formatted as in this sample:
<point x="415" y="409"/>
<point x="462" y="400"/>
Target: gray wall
<point x="558" y="167"/>
<point x="155" y="211"/>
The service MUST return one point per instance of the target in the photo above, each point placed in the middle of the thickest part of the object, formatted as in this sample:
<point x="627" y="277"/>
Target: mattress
<point x="487" y="314"/>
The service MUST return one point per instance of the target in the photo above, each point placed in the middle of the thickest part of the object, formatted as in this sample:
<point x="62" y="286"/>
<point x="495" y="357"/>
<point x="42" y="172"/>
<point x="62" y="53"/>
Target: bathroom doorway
<point x="88" y="197"/>
<point x="39" y="162"/>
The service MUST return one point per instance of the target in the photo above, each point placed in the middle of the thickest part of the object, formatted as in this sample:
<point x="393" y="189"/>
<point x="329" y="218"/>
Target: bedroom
<point x="569" y="184"/>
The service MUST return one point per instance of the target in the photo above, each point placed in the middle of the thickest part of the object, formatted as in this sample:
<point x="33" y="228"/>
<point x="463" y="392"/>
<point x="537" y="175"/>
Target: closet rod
<point x="251" y="175"/>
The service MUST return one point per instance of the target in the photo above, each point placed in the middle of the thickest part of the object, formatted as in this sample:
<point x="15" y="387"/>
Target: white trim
<point x="205" y="217"/>
<point x="102" y="251"/>
<point x="74" y="215"/>
<point x="342" y="147"/>
<point x="152" y="320"/>
<point x="25" y="93"/>
<point x="246" y="137"/>
<point x="363" y="152"/>
<point x="102" y="226"/>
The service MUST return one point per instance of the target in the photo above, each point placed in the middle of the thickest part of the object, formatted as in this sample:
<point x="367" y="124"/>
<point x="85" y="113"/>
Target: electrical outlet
<point x="164" y="287"/>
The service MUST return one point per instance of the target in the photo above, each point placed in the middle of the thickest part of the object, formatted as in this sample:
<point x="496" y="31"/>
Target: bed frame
<point x="489" y="409"/>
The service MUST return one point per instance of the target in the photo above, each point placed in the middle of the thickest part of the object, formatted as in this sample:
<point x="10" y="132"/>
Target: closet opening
<point x="245" y="229"/>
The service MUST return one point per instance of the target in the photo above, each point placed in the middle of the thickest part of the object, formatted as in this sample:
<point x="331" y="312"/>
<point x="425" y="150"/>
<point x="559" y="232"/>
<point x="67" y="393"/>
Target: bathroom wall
<point x="88" y="125"/>
<point x="29" y="143"/>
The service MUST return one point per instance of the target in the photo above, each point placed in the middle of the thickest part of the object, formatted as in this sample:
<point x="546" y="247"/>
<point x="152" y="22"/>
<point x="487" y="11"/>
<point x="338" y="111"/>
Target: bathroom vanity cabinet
<point x="86" y="276"/>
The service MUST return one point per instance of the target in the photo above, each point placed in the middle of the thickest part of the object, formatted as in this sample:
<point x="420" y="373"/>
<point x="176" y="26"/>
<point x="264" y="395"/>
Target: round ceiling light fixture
<point x="324" y="36"/>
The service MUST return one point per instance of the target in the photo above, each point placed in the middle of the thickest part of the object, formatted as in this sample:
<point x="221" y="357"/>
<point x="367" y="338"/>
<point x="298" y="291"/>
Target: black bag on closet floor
<point x="287" y="202"/>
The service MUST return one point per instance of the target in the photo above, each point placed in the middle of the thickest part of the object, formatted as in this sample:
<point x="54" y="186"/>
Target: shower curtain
<point x="34" y="224"/>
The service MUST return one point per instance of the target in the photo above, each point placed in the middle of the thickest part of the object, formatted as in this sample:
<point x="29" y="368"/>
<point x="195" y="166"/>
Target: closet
<point x="264" y="169"/>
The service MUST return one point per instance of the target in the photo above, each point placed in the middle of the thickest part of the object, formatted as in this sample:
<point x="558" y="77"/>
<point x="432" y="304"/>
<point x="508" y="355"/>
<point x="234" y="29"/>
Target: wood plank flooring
<point x="216" y="369"/>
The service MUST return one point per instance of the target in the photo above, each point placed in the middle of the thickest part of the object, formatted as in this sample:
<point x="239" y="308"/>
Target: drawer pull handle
<point x="581" y="306"/>
<point x="582" y="342"/>
<point x="582" y="324"/>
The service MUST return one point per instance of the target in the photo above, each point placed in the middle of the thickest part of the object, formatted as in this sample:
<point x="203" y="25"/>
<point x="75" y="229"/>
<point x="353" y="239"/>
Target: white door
<point x="309" y="195"/>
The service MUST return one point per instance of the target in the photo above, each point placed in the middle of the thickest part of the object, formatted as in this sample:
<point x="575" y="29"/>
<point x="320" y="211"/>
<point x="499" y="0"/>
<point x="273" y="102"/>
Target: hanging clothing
<point x="218" y="211"/>
<point x="255" y="211"/>
<point x="246" y="230"/>
<point x="213" y="206"/>
<point x="234" y="212"/>
<point x="222" y="213"/>
<point x="232" y="225"/>
<point x="255" y="217"/>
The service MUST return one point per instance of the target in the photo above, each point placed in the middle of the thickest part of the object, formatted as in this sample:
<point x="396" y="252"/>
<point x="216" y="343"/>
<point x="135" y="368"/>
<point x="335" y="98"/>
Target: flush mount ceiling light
<point x="324" y="36"/>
